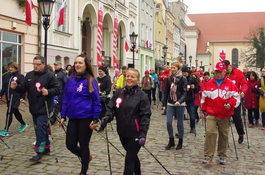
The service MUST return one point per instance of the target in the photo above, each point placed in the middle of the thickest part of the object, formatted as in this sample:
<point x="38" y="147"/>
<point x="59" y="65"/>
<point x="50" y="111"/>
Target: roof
<point x="225" y="26"/>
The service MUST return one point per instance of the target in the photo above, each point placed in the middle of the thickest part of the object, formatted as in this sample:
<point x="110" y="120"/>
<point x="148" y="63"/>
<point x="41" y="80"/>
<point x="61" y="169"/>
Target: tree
<point x="255" y="54"/>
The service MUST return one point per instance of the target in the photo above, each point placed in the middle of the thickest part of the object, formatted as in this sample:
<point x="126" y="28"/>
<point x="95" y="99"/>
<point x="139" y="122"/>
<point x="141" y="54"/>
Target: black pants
<point x="250" y="115"/>
<point x="132" y="162"/>
<point x="148" y="93"/>
<point x="238" y="120"/>
<point x="154" y="93"/>
<point x="17" y="114"/>
<point x="104" y="104"/>
<point x="78" y="131"/>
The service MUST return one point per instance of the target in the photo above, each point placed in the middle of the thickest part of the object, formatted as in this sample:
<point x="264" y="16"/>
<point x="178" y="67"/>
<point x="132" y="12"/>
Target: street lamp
<point x="165" y="53"/>
<point x="196" y="63"/>
<point x="201" y="63"/>
<point x="46" y="10"/>
<point x="180" y="56"/>
<point x="190" y="57"/>
<point x="133" y="38"/>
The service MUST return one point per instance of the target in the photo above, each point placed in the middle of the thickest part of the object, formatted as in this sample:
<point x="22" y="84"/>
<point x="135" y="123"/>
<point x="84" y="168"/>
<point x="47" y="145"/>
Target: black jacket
<point x="132" y="110"/>
<point x="104" y="84"/>
<point x="7" y="79"/>
<point x="36" y="99"/>
<point x="192" y="80"/>
<point x="181" y="90"/>
<point x="61" y="78"/>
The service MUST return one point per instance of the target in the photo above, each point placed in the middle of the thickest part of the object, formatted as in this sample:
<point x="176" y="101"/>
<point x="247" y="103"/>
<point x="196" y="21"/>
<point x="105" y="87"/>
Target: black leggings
<point x="132" y="162"/>
<point x="250" y="115"/>
<point x="17" y="114"/>
<point x="78" y="131"/>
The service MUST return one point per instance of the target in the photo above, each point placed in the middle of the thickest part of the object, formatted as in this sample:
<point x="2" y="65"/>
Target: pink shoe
<point x="263" y="128"/>
<point x="250" y="125"/>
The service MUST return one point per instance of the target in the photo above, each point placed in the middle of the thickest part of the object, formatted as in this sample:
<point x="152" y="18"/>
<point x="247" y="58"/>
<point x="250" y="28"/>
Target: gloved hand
<point x="142" y="141"/>
<point x="104" y="121"/>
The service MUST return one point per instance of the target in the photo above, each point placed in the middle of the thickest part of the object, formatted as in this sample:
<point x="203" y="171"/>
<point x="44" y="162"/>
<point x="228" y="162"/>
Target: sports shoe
<point x="4" y="133"/>
<point x="263" y="128"/>
<point x="241" y="138"/>
<point x="192" y="130"/>
<point x="250" y="125"/>
<point x="207" y="161"/>
<point x="36" y="158"/>
<point x="222" y="161"/>
<point x="46" y="151"/>
<point x="22" y="127"/>
<point x="256" y="122"/>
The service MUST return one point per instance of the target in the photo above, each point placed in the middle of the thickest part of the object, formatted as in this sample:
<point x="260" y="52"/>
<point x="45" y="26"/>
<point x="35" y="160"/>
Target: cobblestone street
<point x="185" y="161"/>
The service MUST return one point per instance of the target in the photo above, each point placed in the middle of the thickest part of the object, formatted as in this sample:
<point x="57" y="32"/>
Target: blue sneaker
<point x="22" y="128"/>
<point x="4" y="133"/>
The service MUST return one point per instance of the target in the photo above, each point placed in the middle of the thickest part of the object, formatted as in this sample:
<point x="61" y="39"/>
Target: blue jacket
<point x="77" y="100"/>
<point x="155" y="79"/>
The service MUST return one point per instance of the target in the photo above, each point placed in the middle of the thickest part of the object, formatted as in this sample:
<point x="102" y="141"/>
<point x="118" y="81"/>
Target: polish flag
<point x="28" y="7"/>
<point x="127" y="44"/>
<point x="60" y="14"/>
<point x="146" y="44"/>
<point x="136" y="48"/>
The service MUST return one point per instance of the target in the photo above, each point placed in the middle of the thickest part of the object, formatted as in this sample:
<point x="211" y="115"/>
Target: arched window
<point x="235" y="58"/>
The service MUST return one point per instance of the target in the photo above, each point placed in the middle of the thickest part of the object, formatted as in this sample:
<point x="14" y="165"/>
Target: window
<point x="131" y="27"/>
<point x="235" y="57"/>
<point x="10" y="47"/>
<point x="63" y="27"/>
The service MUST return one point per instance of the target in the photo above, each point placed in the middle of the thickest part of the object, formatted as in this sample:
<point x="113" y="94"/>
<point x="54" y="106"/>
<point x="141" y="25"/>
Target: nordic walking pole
<point x="232" y="133"/>
<point x="106" y="130"/>
<point x="244" y="116"/>
<point x="194" y="115"/>
<point x="137" y="140"/>
<point x="46" y="105"/>
<point x="109" y="142"/>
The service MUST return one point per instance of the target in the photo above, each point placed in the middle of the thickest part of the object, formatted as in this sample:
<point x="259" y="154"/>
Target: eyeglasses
<point x="36" y="64"/>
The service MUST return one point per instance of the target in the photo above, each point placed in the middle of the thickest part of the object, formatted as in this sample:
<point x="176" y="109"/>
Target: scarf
<point x="146" y="81"/>
<point x="102" y="76"/>
<point x="173" y="88"/>
<point x="80" y="76"/>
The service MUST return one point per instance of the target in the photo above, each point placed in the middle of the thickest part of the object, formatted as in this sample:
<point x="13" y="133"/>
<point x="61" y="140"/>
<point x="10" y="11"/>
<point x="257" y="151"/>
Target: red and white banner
<point x="146" y="44"/>
<point x="28" y="7"/>
<point x="99" y="37"/>
<point x="127" y="44"/>
<point x="222" y="54"/>
<point x="115" y="36"/>
<point x="60" y="14"/>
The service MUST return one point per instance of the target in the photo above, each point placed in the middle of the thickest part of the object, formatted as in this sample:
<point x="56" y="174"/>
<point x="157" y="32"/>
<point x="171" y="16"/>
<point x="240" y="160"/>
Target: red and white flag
<point x="146" y="44"/>
<point x="99" y="37"/>
<point x="60" y="14"/>
<point x="28" y="7"/>
<point x="115" y="36"/>
<point x="127" y="44"/>
<point x="222" y="54"/>
<point x="136" y="48"/>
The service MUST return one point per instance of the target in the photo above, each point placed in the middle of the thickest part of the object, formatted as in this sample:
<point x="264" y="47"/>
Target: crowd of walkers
<point x="89" y="101"/>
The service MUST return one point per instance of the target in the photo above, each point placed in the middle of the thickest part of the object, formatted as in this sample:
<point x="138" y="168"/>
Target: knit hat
<point x="185" y="69"/>
<point x="146" y="72"/>
<point x="117" y="70"/>
<point x="103" y="69"/>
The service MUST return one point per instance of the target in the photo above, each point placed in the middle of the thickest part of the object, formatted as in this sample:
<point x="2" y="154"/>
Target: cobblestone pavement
<point x="185" y="161"/>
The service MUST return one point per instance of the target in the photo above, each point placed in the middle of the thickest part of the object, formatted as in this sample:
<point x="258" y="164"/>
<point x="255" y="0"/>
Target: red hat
<point x="146" y="72"/>
<point x="220" y="66"/>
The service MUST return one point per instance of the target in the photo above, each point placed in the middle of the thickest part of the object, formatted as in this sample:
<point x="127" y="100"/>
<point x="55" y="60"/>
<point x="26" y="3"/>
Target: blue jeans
<point x="178" y="112"/>
<point x="41" y="131"/>
<point x="190" y="109"/>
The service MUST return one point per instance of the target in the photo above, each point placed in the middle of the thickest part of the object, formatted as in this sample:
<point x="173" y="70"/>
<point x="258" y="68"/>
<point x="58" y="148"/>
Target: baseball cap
<point x="57" y="62"/>
<point x="220" y="66"/>
<point x="193" y="66"/>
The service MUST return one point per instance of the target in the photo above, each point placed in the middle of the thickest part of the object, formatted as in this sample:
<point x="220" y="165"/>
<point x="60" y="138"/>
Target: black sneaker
<point x="241" y="139"/>
<point x="46" y="152"/>
<point x="36" y="158"/>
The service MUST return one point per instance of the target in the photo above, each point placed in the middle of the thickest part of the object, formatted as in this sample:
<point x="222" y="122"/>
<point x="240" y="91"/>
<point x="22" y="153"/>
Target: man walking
<point x="219" y="99"/>
<point x="61" y="76"/>
<point x="238" y="78"/>
<point x="41" y="86"/>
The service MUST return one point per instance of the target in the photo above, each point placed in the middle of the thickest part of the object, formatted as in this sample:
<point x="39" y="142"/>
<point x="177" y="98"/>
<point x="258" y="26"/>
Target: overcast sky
<point x="224" y="6"/>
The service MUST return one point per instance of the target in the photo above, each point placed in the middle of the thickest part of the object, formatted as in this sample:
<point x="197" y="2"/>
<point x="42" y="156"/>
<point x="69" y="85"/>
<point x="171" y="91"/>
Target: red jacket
<point x="251" y="98"/>
<point x="204" y="83"/>
<point x="214" y="98"/>
<point x="198" y="95"/>
<point x="238" y="78"/>
<point x="164" y="80"/>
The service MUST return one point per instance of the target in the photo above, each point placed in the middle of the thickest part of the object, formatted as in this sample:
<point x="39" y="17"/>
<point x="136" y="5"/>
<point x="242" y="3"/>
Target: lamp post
<point x="180" y="56"/>
<point x="133" y="38"/>
<point x="201" y="63"/>
<point x="46" y="10"/>
<point x="190" y="57"/>
<point x="196" y="63"/>
<point x="165" y="53"/>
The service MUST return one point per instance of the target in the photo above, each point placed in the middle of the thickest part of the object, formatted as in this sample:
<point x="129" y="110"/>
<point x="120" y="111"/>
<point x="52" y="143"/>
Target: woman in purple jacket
<point x="81" y="104"/>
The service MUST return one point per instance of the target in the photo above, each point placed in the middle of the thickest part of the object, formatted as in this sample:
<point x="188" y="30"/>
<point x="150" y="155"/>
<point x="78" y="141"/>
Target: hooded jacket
<point x="252" y="95"/>
<point x="238" y="78"/>
<point x="132" y="110"/>
<point x="33" y="83"/>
